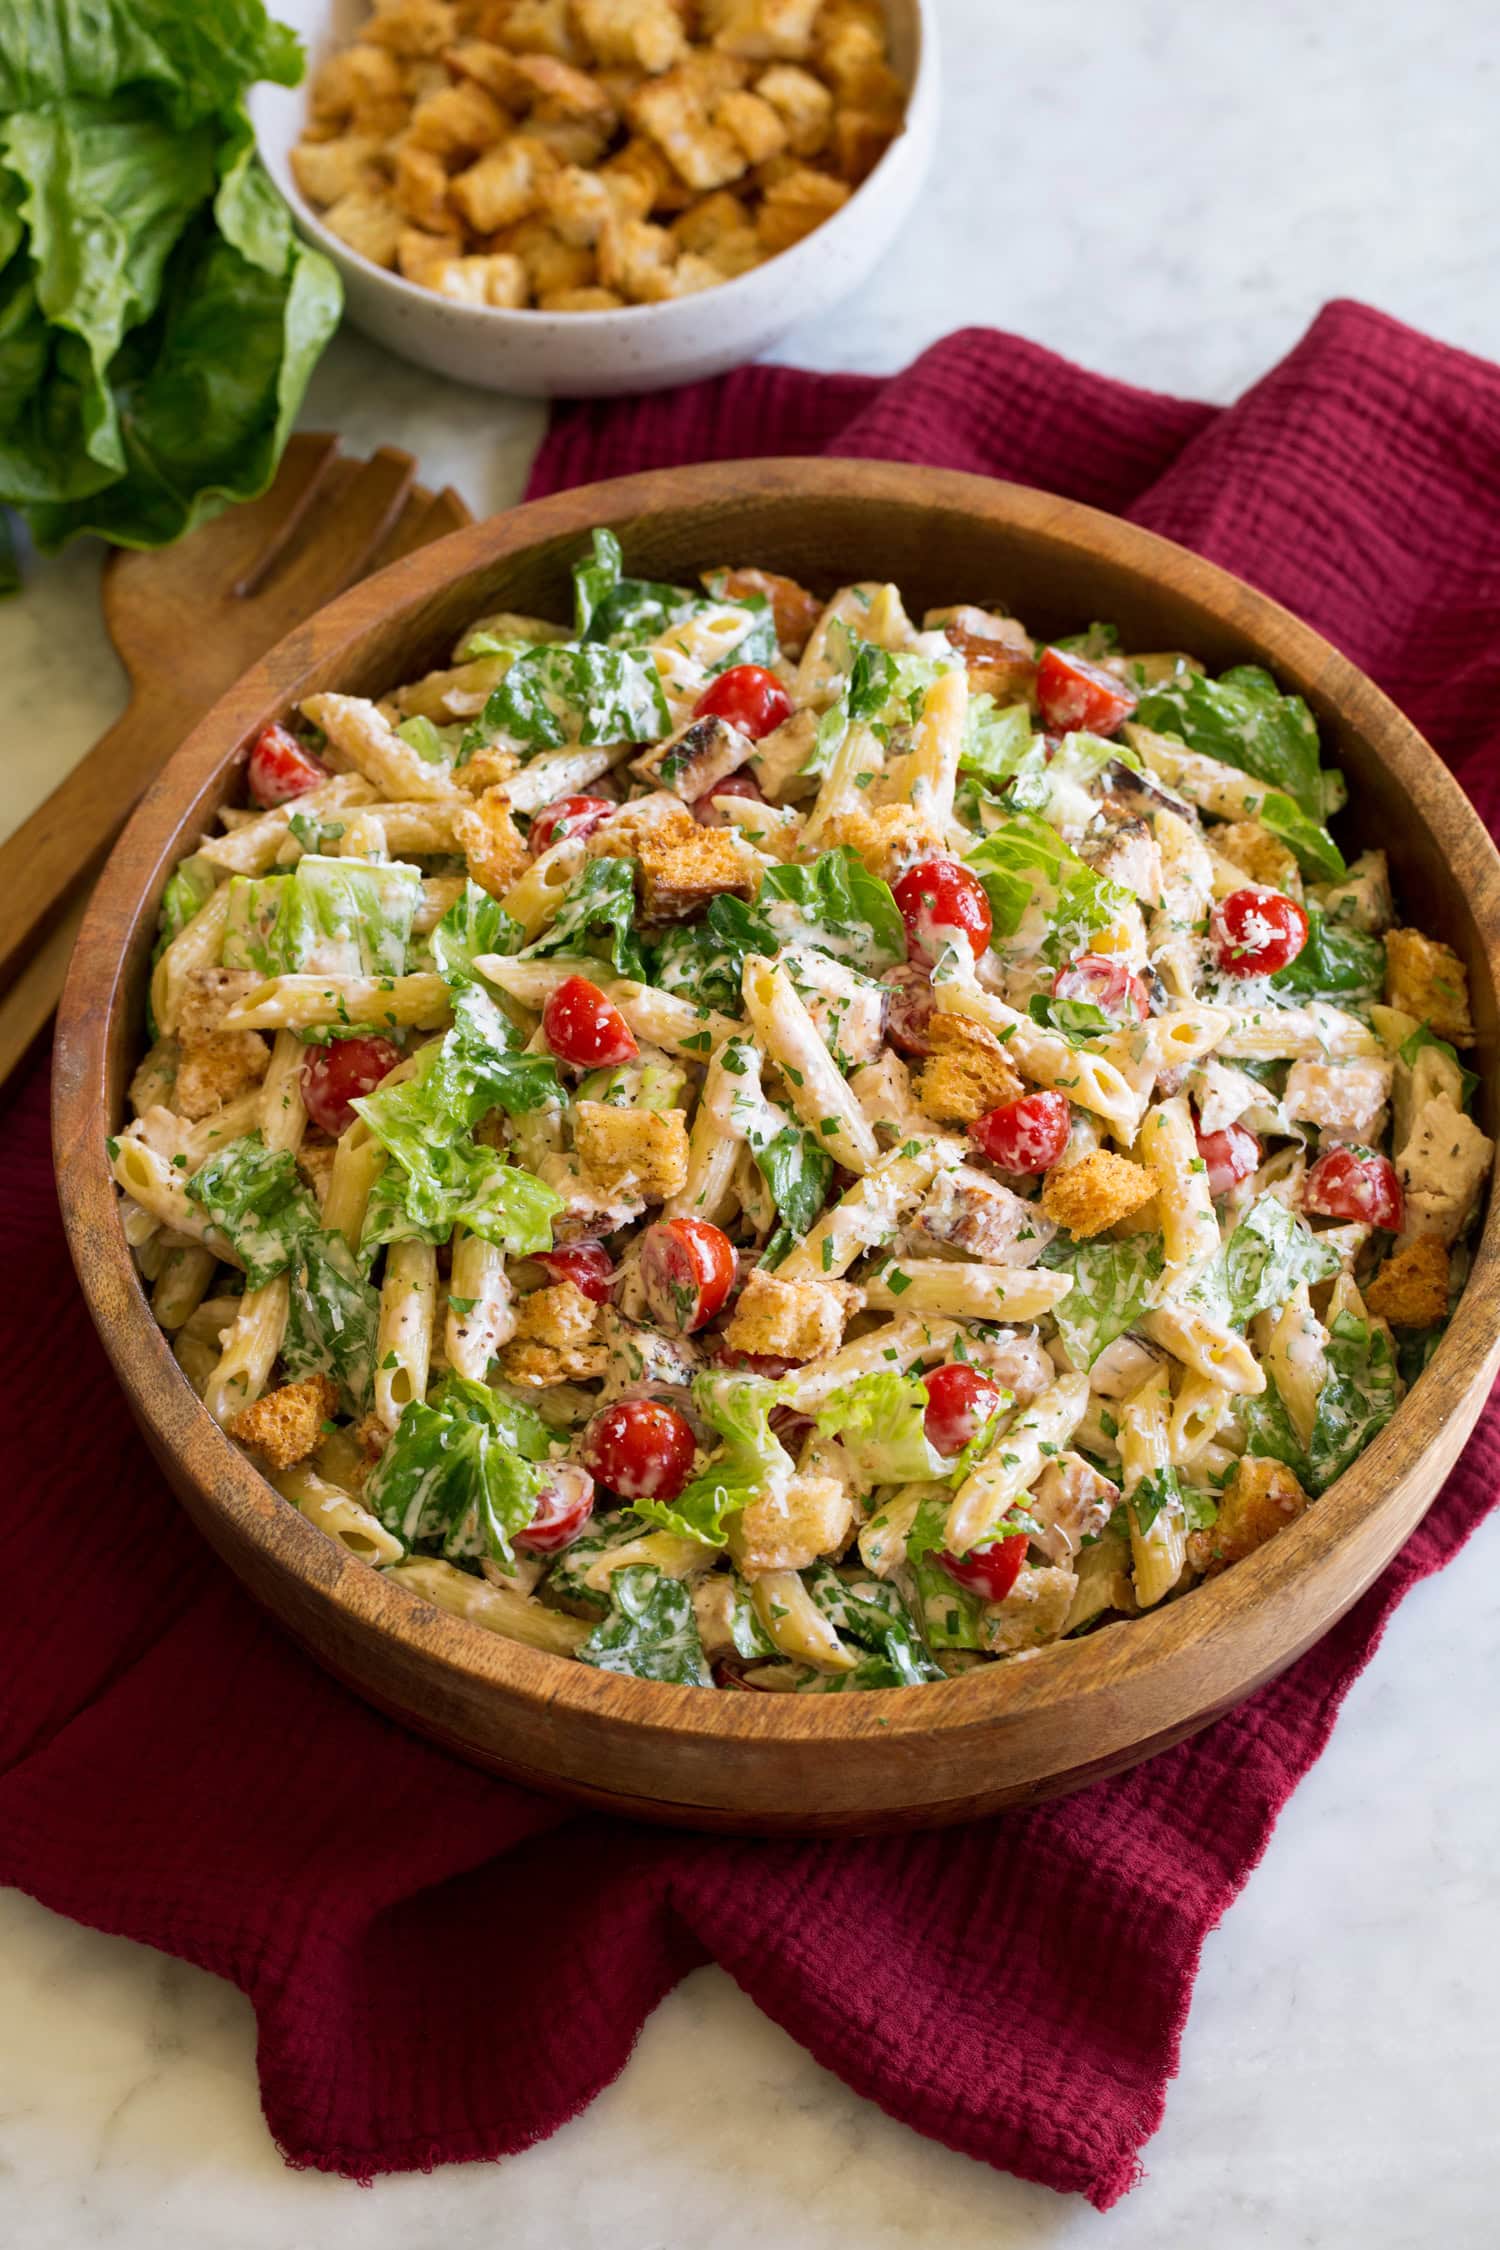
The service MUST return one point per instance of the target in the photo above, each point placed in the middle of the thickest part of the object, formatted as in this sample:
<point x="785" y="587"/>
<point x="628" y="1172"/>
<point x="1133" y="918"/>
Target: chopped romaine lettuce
<point x="995" y="741"/>
<point x="557" y="692"/>
<point x="1243" y="719"/>
<point x="1316" y="852"/>
<point x="332" y="1318"/>
<point x="1043" y="897"/>
<point x="1269" y="1253"/>
<point x="1337" y="963"/>
<point x="651" y="1630"/>
<point x="328" y="917"/>
<point x="704" y="961"/>
<point x="189" y="887"/>
<point x="596" y="920"/>
<point x="1114" y="1284"/>
<point x="752" y="1459"/>
<point x="797" y="1171"/>
<point x="880" y="1422"/>
<point x="873" y="1613"/>
<point x="258" y="1199"/>
<point x="1360" y="1391"/>
<point x="475" y="923"/>
<point x="1077" y="1021"/>
<point x="461" y="1470"/>
<point x="838" y="906"/>
<point x="439" y="745"/>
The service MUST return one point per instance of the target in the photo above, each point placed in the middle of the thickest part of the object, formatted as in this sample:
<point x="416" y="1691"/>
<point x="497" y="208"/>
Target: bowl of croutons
<point x="238" y="1232"/>
<point x="575" y="198"/>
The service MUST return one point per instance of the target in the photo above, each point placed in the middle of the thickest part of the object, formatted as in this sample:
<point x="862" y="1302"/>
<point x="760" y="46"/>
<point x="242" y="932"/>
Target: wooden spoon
<point x="187" y="621"/>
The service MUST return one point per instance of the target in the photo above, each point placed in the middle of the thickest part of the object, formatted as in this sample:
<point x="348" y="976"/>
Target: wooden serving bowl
<point x="1010" y="1732"/>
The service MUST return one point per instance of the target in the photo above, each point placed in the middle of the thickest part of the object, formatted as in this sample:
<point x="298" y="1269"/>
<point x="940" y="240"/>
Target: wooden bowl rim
<point x="1001" y="1695"/>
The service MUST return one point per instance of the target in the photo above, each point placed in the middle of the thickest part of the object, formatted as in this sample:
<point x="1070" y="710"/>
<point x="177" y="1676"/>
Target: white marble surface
<point x="1167" y="194"/>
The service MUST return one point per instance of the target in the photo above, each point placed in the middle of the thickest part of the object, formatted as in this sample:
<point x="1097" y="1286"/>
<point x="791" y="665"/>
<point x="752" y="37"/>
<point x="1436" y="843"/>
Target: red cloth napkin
<point x="175" y="1770"/>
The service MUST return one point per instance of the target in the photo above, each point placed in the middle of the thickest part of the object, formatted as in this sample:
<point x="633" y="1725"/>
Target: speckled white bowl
<point x="643" y="347"/>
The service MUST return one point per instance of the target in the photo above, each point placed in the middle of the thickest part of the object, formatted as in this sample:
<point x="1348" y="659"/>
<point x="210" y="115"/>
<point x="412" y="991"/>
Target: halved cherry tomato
<point x="280" y="768"/>
<point x="909" y="1010"/>
<point x="1257" y="931"/>
<point x="588" y="1265"/>
<point x="707" y="813"/>
<point x="1077" y="697"/>
<point x="1354" y="1183"/>
<point x="1231" y="1156"/>
<point x="1026" y="1135"/>
<point x="940" y="900"/>
<point x="640" y="1450"/>
<point x="567" y="816"/>
<point x="959" y="1402"/>
<point x="749" y="697"/>
<point x="336" y="1076"/>
<point x="563" y="1507"/>
<point x="582" y="1025"/>
<point x="989" y="1571"/>
<point x="687" y="1271"/>
<point x="1107" y="983"/>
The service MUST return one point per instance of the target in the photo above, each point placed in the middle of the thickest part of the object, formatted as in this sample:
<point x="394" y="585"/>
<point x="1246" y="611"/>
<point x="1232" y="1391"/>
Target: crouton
<point x="555" y="1340"/>
<point x="421" y="188"/>
<point x="1427" y="979"/>
<point x="286" y="1426"/>
<point x="486" y="770"/>
<point x="328" y="170"/>
<point x="966" y="1210"/>
<point x="860" y="139"/>
<point x="1264" y="858"/>
<point x="636" y="259"/>
<point x="790" y="1531"/>
<point x="369" y="222"/>
<point x="762" y="30"/>
<point x="589" y="1210"/>
<point x="591" y="299"/>
<point x="750" y="120"/>
<point x="229" y="1063"/>
<point x="315" y="1163"/>
<point x="414" y="27"/>
<point x="1032" y="1613"/>
<point x="1344" y="1099"/>
<point x="207" y="997"/>
<point x="804" y="104"/>
<point x="494" y="847"/>
<point x="620" y="835"/>
<point x="1411" y="1288"/>
<point x="796" y="1320"/>
<point x="684" y="866"/>
<point x="999" y="654"/>
<point x="1089" y="1196"/>
<point x="966" y="1074"/>
<point x="888" y="838"/>
<point x="797" y="204"/>
<point x="1263" y="1497"/>
<point x="554" y="89"/>
<point x="689" y="761"/>
<point x="647" y="32"/>
<point x="499" y="279"/>
<point x="642" y="1152"/>
<point x="673" y="112"/>
<point x="458" y="123"/>
<point x="1442" y="1166"/>
<point x="360" y="77"/>
<point x="534" y="27"/>
<point x="794" y="610"/>
<point x="551" y="264"/>
<point x="580" y="205"/>
<point x="505" y="186"/>
<point x="418" y="252"/>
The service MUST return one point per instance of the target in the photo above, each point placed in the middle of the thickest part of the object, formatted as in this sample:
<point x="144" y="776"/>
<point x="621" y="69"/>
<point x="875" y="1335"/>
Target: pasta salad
<point x="755" y="1142"/>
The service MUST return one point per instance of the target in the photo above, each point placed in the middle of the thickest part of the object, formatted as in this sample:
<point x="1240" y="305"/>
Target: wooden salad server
<point x="187" y="620"/>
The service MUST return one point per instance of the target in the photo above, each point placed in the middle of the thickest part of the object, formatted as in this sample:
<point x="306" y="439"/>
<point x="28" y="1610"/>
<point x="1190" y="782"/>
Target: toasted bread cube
<point x="1427" y="979"/>
<point x="635" y="258"/>
<point x="207" y="998"/>
<point x="683" y="866"/>
<point x="418" y="253"/>
<point x="550" y="263"/>
<point x="1263" y="1498"/>
<point x="498" y="279"/>
<point x="797" y="1320"/>
<point x="421" y="189"/>
<point x="803" y="103"/>
<point x="578" y="204"/>
<point x="532" y="27"/>
<point x="966" y="1074"/>
<point x="797" y="204"/>
<point x="1411" y="1288"/>
<point x="1096" y="1192"/>
<point x="414" y="27"/>
<point x="590" y="299"/>
<point x="487" y="64"/>
<point x="762" y="30"/>
<point x="358" y="77"/>
<point x="538" y="1367"/>
<point x="1033" y="1613"/>
<point x="457" y="123"/>
<point x="315" y="1163"/>
<point x="229" y="1063"/>
<point x="487" y="769"/>
<point x="759" y="129"/>
<point x="860" y="139"/>
<point x="554" y="89"/>
<point x="641" y="182"/>
<point x="814" y="1518"/>
<point x="637" y="1152"/>
<point x="496" y="850"/>
<point x="1263" y="856"/>
<point x="556" y="1338"/>
<point x="505" y="186"/>
<point x="673" y="113"/>
<point x="648" y="33"/>
<point x="326" y="171"/>
<point x="888" y="838"/>
<point x="286" y="1426"/>
<point x="369" y="222"/>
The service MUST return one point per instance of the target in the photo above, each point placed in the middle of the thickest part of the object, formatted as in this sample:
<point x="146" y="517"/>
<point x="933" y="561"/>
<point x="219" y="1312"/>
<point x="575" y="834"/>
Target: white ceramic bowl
<point x="642" y="347"/>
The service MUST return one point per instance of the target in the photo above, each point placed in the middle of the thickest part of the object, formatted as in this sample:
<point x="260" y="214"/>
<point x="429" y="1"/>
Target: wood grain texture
<point x="1014" y="1731"/>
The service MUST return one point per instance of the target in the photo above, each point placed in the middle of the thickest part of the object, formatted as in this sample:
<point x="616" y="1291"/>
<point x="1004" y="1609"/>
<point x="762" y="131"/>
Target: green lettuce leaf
<point x="704" y="961"/>
<point x="332" y="1318"/>
<point x="557" y="692"/>
<point x="596" y="920"/>
<point x="1077" y="1021"/>
<point x="1317" y="854"/>
<point x="1360" y="1392"/>
<point x="1114" y="1284"/>
<point x="1425" y="1036"/>
<point x="461" y="1471"/>
<point x="1244" y="719"/>
<point x="1043" y="897"/>
<point x="475" y="923"/>
<point x="189" y="887"/>
<point x="837" y="905"/>
<point x="751" y="1460"/>
<point x="873" y="1613"/>
<point x="1269" y="1253"/>
<point x="996" y="741"/>
<point x="879" y="1421"/>
<point x="798" y="1173"/>
<point x="258" y="1199"/>
<point x="651" y="1630"/>
<point x="1337" y="963"/>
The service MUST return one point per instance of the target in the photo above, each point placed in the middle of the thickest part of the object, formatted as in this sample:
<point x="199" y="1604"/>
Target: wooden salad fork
<point x="187" y="620"/>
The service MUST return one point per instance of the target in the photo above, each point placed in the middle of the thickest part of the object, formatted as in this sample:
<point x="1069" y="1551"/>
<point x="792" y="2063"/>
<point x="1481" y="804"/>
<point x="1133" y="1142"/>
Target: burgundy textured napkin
<point x="172" y="1768"/>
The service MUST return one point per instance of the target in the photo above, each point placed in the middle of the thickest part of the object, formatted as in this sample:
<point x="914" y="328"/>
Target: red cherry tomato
<point x="1257" y="931"/>
<point x="959" y="1402"/>
<point x="336" y="1076"/>
<point x="989" y="1571"/>
<point x="1105" y="983"/>
<point x="563" y="1507"/>
<point x="1231" y="1156"/>
<point x="1352" y="1183"/>
<point x="582" y="1025"/>
<point x="1076" y="697"/>
<point x="567" y="816"/>
<point x="909" y="1010"/>
<point x="749" y="697"/>
<point x="588" y="1265"/>
<point x="940" y="900"/>
<point x="280" y="768"/>
<point x="1026" y="1135"/>
<point x="639" y="1450"/>
<point x="687" y="1272"/>
<point x="707" y="813"/>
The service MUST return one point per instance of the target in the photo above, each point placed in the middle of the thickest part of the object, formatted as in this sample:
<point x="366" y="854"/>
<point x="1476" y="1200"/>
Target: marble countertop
<point x="1168" y="196"/>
